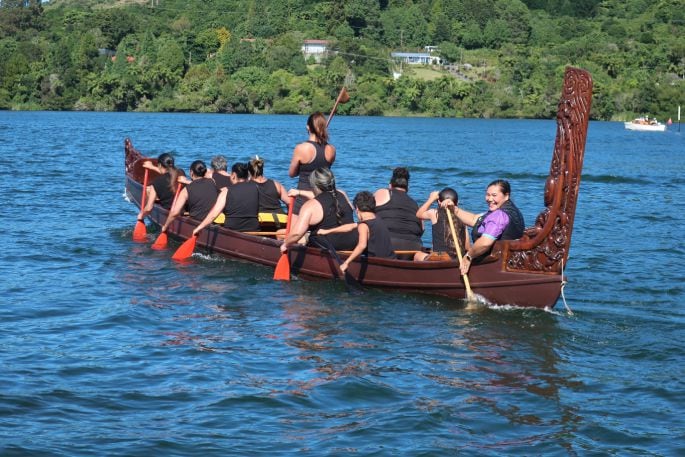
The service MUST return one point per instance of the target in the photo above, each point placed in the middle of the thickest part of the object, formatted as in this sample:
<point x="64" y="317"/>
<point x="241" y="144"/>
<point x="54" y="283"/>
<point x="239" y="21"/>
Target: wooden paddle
<point x="140" y="232"/>
<point x="470" y="296"/>
<point x="343" y="98"/>
<point x="282" y="271"/>
<point x="162" y="240"/>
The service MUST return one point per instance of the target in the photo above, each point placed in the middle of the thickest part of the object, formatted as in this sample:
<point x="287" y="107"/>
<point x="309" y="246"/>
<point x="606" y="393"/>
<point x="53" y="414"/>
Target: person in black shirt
<point x="327" y="209"/>
<point x="398" y="210"/>
<point x="199" y="196"/>
<point x="373" y="234"/>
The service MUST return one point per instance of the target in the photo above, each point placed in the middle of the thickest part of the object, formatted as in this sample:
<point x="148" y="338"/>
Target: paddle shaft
<point x="143" y="192"/>
<point x="341" y="95"/>
<point x="467" y="284"/>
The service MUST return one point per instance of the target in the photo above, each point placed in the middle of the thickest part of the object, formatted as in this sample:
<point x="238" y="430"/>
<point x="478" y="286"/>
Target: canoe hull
<point x="487" y="280"/>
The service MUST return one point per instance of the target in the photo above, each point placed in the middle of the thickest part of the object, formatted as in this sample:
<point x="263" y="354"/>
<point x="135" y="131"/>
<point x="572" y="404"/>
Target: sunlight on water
<point x="112" y="346"/>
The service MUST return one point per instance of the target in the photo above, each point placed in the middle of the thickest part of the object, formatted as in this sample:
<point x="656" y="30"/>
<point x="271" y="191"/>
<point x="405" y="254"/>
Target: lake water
<point x="109" y="348"/>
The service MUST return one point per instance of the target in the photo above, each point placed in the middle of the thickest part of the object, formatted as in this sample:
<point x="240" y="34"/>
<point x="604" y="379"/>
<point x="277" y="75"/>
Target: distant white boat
<point x="645" y="124"/>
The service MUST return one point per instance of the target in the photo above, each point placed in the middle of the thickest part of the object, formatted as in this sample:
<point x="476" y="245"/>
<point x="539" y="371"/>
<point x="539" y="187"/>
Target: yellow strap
<point x="264" y="218"/>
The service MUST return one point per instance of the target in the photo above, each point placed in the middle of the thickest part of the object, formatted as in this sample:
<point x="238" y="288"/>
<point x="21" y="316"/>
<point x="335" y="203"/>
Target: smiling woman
<point x="502" y="221"/>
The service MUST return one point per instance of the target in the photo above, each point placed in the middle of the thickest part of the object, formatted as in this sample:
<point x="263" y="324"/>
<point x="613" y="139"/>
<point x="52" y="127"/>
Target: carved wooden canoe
<point x="525" y="272"/>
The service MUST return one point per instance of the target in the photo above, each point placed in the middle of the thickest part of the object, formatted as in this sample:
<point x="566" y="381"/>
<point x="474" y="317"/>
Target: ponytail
<point x="317" y="126"/>
<point x="256" y="167"/>
<point x="166" y="160"/>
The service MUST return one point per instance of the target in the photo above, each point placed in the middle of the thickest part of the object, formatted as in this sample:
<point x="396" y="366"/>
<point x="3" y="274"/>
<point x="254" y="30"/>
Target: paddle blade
<point x="161" y="242"/>
<point x="344" y="97"/>
<point x="282" y="272"/>
<point x="186" y="249"/>
<point x="140" y="232"/>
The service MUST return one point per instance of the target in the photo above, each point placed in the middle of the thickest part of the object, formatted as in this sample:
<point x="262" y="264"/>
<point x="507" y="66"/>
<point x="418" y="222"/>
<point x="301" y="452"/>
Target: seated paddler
<point x="398" y="210"/>
<point x="502" y="221"/>
<point x="163" y="188"/>
<point x="198" y="197"/>
<point x="239" y="203"/>
<point x="443" y="241"/>
<point x="329" y="208"/>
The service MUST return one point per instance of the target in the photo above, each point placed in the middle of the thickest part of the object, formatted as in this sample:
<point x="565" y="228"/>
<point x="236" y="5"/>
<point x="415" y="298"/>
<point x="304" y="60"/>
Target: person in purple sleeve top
<point x="502" y="221"/>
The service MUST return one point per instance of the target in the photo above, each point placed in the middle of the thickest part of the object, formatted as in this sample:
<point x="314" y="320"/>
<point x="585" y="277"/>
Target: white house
<point x="316" y="48"/>
<point x="417" y="58"/>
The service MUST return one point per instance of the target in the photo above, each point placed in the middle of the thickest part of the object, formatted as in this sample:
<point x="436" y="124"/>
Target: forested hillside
<point x="232" y="56"/>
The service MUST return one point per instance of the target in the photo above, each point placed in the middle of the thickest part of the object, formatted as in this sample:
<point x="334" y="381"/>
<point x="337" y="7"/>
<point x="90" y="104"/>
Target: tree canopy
<point x="505" y="57"/>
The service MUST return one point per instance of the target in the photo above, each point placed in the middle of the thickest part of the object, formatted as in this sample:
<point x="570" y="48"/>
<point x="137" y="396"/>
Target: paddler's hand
<point x="465" y="264"/>
<point x="344" y="266"/>
<point x="293" y="192"/>
<point x="283" y="248"/>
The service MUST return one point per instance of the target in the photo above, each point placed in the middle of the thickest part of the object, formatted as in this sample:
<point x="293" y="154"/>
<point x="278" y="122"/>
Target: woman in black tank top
<point x="328" y="209"/>
<point x="443" y="244"/>
<point x="271" y="192"/>
<point x="311" y="155"/>
<point x="199" y="196"/>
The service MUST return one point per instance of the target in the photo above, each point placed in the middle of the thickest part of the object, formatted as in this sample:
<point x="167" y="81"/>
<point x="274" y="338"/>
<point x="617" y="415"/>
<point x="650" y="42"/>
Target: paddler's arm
<point x="422" y="212"/>
<point x="151" y="196"/>
<point x="359" y="248"/>
<point x="294" y="169"/>
<point x="308" y="194"/>
<point x="480" y="247"/>
<point x="339" y="229"/>
<point x="214" y="212"/>
<point x="464" y="216"/>
<point x="176" y="209"/>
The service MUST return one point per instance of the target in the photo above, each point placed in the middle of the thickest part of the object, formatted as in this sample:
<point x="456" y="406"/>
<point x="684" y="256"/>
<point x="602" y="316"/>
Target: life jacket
<point x="513" y="230"/>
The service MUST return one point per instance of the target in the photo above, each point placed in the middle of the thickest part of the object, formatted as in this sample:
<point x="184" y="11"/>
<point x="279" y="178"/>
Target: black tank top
<point x="379" y="244"/>
<point x="221" y="180"/>
<point x="442" y="235"/>
<point x="242" y="207"/>
<point x="307" y="168"/>
<point x="163" y="190"/>
<point x="399" y="214"/>
<point x="341" y="241"/>
<point x="269" y="198"/>
<point x="201" y="197"/>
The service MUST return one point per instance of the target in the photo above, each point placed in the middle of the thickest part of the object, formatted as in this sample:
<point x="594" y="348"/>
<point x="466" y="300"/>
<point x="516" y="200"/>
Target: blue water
<point x="109" y="348"/>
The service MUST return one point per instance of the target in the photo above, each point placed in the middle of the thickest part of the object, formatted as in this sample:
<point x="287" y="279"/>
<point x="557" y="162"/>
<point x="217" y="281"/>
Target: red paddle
<point x="161" y="241"/>
<point x="140" y="232"/>
<point x="186" y="249"/>
<point x="282" y="272"/>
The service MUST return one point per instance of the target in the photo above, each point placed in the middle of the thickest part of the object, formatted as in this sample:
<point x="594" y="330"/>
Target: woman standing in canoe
<point x="310" y="155"/>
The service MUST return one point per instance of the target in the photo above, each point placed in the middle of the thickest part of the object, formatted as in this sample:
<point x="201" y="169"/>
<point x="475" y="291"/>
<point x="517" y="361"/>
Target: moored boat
<point x="645" y="124"/>
<point x="525" y="272"/>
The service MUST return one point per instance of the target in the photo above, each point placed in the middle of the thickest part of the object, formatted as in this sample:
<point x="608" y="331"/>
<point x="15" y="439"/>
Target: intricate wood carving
<point x="545" y="246"/>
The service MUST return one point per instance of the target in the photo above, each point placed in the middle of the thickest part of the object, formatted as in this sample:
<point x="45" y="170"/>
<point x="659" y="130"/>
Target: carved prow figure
<point x="545" y="246"/>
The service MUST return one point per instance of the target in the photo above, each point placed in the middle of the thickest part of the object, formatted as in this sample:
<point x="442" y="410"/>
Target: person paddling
<point x="163" y="188"/>
<point x="502" y="221"/>
<point x="271" y="192"/>
<point x="443" y="243"/>
<point x="219" y="172"/>
<point x="328" y="208"/>
<point x="239" y="202"/>
<point x="199" y="196"/>
<point x="373" y="235"/>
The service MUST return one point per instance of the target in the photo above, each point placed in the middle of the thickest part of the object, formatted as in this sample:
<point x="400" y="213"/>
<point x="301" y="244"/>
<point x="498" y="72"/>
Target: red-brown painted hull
<point x="525" y="272"/>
